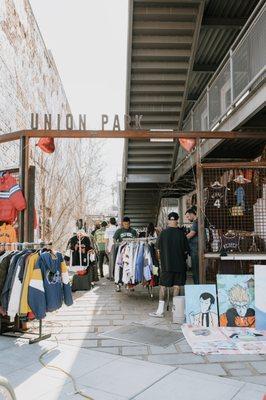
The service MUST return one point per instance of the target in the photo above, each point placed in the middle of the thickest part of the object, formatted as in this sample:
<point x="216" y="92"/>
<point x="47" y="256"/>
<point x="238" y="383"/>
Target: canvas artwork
<point x="201" y="305"/>
<point x="260" y="296"/>
<point x="236" y="300"/>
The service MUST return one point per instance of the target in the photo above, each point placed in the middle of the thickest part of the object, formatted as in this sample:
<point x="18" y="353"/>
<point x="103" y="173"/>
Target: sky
<point x="88" y="40"/>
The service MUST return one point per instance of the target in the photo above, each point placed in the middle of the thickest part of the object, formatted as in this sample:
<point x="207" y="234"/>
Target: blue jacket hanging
<point x="49" y="286"/>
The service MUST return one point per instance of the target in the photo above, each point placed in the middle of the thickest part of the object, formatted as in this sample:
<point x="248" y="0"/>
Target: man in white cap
<point x="173" y="249"/>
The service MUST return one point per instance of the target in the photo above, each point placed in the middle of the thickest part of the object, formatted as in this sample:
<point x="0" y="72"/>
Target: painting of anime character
<point x="201" y="305"/>
<point x="236" y="300"/>
<point x="260" y="296"/>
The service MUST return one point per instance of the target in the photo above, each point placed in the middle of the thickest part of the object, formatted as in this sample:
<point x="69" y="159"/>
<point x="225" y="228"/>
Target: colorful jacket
<point x="30" y="264"/>
<point x="49" y="285"/>
<point x="11" y="198"/>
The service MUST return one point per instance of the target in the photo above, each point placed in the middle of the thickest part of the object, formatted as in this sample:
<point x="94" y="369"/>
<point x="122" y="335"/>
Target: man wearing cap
<point x="192" y="236"/>
<point x="173" y="249"/>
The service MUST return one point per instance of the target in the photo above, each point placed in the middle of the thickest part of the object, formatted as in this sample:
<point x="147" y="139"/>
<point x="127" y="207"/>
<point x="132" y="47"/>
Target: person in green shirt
<point x="99" y="238"/>
<point x="125" y="232"/>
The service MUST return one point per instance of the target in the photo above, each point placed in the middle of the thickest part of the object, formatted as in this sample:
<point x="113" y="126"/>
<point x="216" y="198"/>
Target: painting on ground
<point x="260" y="296"/>
<point x="236" y="300"/>
<point x="201" y="305"/>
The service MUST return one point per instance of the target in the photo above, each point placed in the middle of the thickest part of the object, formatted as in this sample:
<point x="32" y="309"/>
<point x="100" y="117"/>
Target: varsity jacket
<point x="11" y="198"/>
<point x="49" y="285"/>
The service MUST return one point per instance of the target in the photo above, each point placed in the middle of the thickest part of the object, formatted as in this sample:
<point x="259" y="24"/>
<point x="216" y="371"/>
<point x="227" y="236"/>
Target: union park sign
<point x="62" y="122"/>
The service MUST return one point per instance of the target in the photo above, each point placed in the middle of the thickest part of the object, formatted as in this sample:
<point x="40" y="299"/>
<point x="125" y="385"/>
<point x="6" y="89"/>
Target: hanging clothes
<point x="7" y="233"/>
<point x="33" y="283"/>
<point x="11" y="198"/>
<point x="134" y="264"/>
<point x="50" y="285"/>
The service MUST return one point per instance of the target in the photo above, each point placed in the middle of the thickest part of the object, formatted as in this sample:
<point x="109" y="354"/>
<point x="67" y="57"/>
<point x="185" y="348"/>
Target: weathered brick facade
<point x="29" y="81"/>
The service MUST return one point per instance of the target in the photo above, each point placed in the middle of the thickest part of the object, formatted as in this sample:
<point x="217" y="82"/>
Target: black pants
<point x="102" y="255"/>
<point x="195" y="267"/>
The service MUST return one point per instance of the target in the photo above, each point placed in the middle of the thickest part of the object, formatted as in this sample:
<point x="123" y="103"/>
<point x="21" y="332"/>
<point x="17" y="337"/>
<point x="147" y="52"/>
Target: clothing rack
<point x="12" y="329"/>
<point x="139" y="240"/>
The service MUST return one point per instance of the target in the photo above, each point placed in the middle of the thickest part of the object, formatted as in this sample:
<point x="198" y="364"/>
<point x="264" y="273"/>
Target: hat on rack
<point x="173" y="216"/>
<point x="241" y="179"/>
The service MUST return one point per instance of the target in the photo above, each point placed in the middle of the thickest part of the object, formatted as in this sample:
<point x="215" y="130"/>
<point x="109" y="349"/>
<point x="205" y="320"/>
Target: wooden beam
<point x="247" y="164"/>
<point x="131" y="134"/>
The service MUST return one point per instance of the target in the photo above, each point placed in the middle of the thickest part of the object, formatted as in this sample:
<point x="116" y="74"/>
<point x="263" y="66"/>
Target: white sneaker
<point x="156" y="315"/>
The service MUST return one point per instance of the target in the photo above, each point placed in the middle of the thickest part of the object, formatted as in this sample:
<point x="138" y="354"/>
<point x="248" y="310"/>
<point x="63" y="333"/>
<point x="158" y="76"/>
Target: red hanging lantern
<point x="187" y="144"/>
<point x="46" y="144"/>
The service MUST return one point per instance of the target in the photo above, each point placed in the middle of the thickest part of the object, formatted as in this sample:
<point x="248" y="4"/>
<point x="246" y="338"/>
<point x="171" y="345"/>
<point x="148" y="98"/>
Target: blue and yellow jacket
<point x="49" y="285"/>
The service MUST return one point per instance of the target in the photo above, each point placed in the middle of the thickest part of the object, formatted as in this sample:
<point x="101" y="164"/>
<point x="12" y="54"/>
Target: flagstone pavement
<point x="105" y="368"/>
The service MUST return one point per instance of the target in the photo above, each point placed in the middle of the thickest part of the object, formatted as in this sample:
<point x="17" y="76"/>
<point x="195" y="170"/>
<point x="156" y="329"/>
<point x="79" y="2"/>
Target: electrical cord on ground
<point x="56" y="368"/>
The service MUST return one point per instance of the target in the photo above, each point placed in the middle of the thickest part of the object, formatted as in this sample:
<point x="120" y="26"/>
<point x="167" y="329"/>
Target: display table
<point x="237" y="256"/>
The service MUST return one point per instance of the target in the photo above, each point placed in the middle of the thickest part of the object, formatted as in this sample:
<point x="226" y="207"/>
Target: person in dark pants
<point x="99" y="237"/>
<point x="192" y="236"/>
<point x="173" y="249"/>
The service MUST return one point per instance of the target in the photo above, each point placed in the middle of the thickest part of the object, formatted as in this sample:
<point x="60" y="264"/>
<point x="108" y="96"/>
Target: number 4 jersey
<point x="216" y="209"/>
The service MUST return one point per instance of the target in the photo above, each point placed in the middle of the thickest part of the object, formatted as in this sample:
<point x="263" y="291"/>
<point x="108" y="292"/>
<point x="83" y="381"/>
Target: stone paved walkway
<point x="102" y="309"/>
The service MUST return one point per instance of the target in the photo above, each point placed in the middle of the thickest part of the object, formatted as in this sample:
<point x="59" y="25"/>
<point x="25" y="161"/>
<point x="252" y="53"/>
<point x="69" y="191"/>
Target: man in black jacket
<point x="173" y="249"/>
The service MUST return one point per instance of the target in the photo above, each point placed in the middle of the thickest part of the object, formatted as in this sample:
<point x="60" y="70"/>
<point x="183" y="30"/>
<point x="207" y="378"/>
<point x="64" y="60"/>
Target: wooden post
<point x="200" y="211"/>
<point x="24" y="172"/>
<point x="31" y="203"/>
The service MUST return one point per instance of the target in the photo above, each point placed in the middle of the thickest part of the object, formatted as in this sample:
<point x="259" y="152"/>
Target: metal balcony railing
<point x="241" y="70"/>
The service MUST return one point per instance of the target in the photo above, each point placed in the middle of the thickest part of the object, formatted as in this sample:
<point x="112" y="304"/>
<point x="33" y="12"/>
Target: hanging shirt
<point x="216" y="210"/>
<point x="7" y="234"/>
<point x="11" y="198"/>
<point x="80" y="250"/>
<point x="49" y="285"/>
<point x="230" y="243"/>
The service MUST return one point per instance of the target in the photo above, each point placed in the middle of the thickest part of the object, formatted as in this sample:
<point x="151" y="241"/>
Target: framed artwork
<point x="260" y="296"/>
<point x="201" y="305"/>
<point x="236" y="300"/>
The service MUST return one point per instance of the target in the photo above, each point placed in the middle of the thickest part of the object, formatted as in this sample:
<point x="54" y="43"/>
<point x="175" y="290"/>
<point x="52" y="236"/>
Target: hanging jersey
<point x="230" y="244"/>
<point x="216" y="206"/>
<point x="216" y="197"/>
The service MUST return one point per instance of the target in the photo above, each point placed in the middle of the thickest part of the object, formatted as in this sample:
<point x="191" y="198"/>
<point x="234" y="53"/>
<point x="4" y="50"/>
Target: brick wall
<point x="29" y="81"/>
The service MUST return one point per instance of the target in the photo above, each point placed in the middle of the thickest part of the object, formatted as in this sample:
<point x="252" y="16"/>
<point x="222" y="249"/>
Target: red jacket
<point x="11" y="198"/>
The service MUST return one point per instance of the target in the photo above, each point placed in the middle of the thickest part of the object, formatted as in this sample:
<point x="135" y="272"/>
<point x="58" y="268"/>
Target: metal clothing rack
<point x="138" y="240"/>
<point x="12" y="329"/>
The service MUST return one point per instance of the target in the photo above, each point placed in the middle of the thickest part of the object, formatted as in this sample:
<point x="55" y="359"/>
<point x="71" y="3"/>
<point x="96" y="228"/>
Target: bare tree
<point x="68" y="184"/>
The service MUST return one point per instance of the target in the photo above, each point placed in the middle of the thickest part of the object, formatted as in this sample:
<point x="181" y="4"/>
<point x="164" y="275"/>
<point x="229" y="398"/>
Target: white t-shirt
<point x="109" y="234"/>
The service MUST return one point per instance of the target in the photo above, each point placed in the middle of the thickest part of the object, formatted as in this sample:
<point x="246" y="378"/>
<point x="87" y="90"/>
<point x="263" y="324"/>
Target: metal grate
<point x="220" y="95"/>
<point x="235" y="210"/>
<point x="250" y="56"/>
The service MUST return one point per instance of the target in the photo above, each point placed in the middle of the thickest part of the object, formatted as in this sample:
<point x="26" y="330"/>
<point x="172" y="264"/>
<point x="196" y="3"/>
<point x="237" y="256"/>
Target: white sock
<point x="160" y="309"/>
